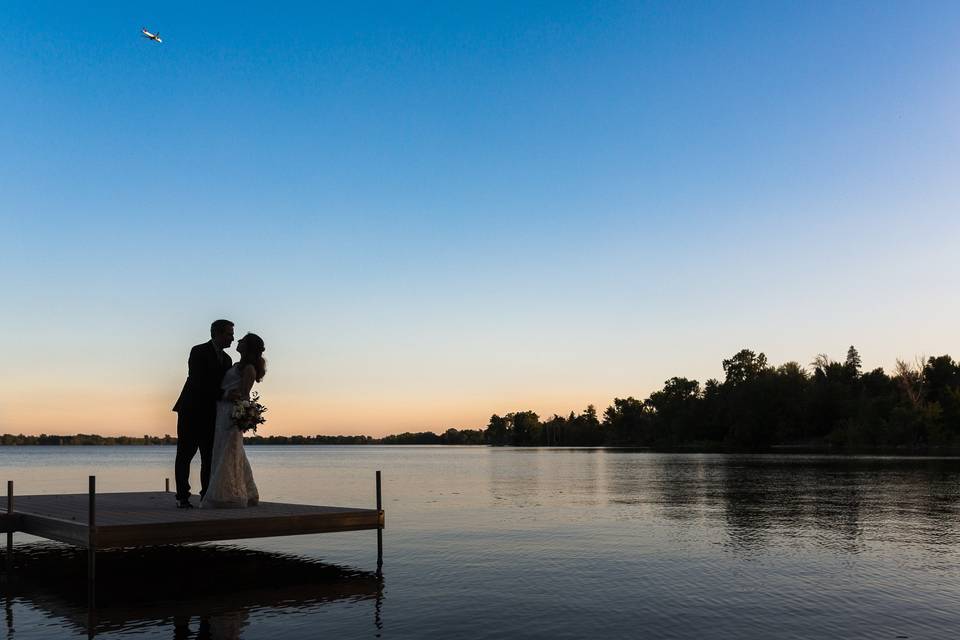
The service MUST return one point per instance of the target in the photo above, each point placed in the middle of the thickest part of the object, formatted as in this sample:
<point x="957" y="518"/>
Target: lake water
<point x="526" y="543"/>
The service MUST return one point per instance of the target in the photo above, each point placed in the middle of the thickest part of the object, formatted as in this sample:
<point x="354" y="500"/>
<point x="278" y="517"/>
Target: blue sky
<point x="434" y="212"/>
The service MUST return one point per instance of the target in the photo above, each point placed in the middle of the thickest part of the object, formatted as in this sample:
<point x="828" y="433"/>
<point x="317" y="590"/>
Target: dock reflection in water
<point x="192" y="591"/>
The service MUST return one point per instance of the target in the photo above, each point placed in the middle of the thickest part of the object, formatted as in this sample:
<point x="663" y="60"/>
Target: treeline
<point x="82" y="439"/>
<point x="450" y="436"/>
<point x="833" y="405"/>
<point x="318" y="439"/>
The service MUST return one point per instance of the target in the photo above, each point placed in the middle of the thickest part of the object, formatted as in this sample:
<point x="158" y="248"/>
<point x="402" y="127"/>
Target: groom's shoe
<point x="184" y="504"/>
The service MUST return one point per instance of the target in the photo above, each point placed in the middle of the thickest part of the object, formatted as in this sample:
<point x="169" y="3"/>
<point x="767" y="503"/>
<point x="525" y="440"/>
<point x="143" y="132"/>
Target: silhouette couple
<point x="205" y="420"/>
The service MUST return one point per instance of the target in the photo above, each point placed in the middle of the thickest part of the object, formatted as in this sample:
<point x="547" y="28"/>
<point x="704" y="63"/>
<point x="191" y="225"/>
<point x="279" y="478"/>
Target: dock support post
<point x="9" y="558"/>
<point x="92" y="542"/>
<point x="379" y="528"/>
<point x="377" y="607"/>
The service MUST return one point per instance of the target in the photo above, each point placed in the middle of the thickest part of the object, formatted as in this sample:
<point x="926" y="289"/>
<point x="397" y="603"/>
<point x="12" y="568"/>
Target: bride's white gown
<point x="231" y="479"/>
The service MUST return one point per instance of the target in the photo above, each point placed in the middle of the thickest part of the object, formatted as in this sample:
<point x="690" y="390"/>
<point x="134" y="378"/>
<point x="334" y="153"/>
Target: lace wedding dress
<point x="231" y="479"/>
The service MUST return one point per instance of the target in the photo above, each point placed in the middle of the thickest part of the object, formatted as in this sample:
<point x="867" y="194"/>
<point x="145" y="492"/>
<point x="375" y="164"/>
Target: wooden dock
<point x="151" y="518"/>
<point x="109" y="520"/>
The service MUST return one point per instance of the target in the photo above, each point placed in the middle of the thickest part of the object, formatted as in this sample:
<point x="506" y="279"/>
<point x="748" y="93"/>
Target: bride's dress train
<point x="231" y="478"/>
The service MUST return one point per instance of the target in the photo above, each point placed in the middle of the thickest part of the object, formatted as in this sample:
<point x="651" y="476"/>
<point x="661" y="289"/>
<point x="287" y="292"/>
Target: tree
<point x="939" y="375"/>
<point x="554" y="431"/>
<point x="852" y="363"/>
<point x="585" y="428"/>
<point x="674" y="411"/>
<point x="627" y="422"/>
<point x="526" y="428"/>
<point x="910" y="379"/>
<point x="830" y="403"/>
<point x="498" y="431"/>
<point x="790" y="388"/>
<point x="744" y="366"/>
<point x="590" y="414"/>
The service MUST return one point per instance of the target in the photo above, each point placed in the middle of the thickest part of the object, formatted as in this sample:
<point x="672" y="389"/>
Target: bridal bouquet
<point x="248" y="414"/>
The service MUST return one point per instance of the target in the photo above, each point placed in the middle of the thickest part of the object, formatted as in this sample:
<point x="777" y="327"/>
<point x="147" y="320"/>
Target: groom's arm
<point x="195" y="364"/>
<point x="203" y="373"/>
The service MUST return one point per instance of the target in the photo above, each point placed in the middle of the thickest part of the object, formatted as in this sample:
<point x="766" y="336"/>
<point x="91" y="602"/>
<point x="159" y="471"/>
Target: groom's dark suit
<point x="197" y="413"/>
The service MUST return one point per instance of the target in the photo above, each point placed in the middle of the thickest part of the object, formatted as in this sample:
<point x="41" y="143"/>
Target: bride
<point x="231" y="479"/>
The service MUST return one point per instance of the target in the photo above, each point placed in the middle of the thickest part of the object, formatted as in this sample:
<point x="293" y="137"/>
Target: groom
<point x="197" y="407"/>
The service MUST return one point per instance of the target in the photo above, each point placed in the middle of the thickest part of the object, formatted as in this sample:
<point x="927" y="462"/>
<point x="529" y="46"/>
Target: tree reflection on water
<point x="836" y="502"/>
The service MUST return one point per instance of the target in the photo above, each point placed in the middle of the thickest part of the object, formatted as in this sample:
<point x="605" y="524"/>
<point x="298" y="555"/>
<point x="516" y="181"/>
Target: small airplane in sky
<point x="152" y="36"/>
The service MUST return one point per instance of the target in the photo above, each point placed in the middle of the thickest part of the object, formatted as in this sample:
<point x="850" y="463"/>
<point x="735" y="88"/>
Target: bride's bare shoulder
<point x="248" y="372"/>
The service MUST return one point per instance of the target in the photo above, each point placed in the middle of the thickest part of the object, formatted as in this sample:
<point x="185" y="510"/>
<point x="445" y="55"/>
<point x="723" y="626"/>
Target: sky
<point x="433" y="212"/>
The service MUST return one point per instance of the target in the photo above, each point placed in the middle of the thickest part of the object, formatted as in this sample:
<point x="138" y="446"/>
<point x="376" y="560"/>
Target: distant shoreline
<point x="451" y="437"/>
<point x="88" y="440"/>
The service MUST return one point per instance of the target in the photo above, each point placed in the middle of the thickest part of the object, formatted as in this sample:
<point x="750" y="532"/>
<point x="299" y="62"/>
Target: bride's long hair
<point x="253" y="355"/>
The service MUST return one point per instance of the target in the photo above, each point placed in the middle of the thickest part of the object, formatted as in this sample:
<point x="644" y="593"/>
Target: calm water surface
<point x="526" y="543"/>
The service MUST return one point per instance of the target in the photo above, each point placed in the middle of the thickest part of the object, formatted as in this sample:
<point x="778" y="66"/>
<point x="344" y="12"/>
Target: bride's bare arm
<point x="247" y="378"/>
